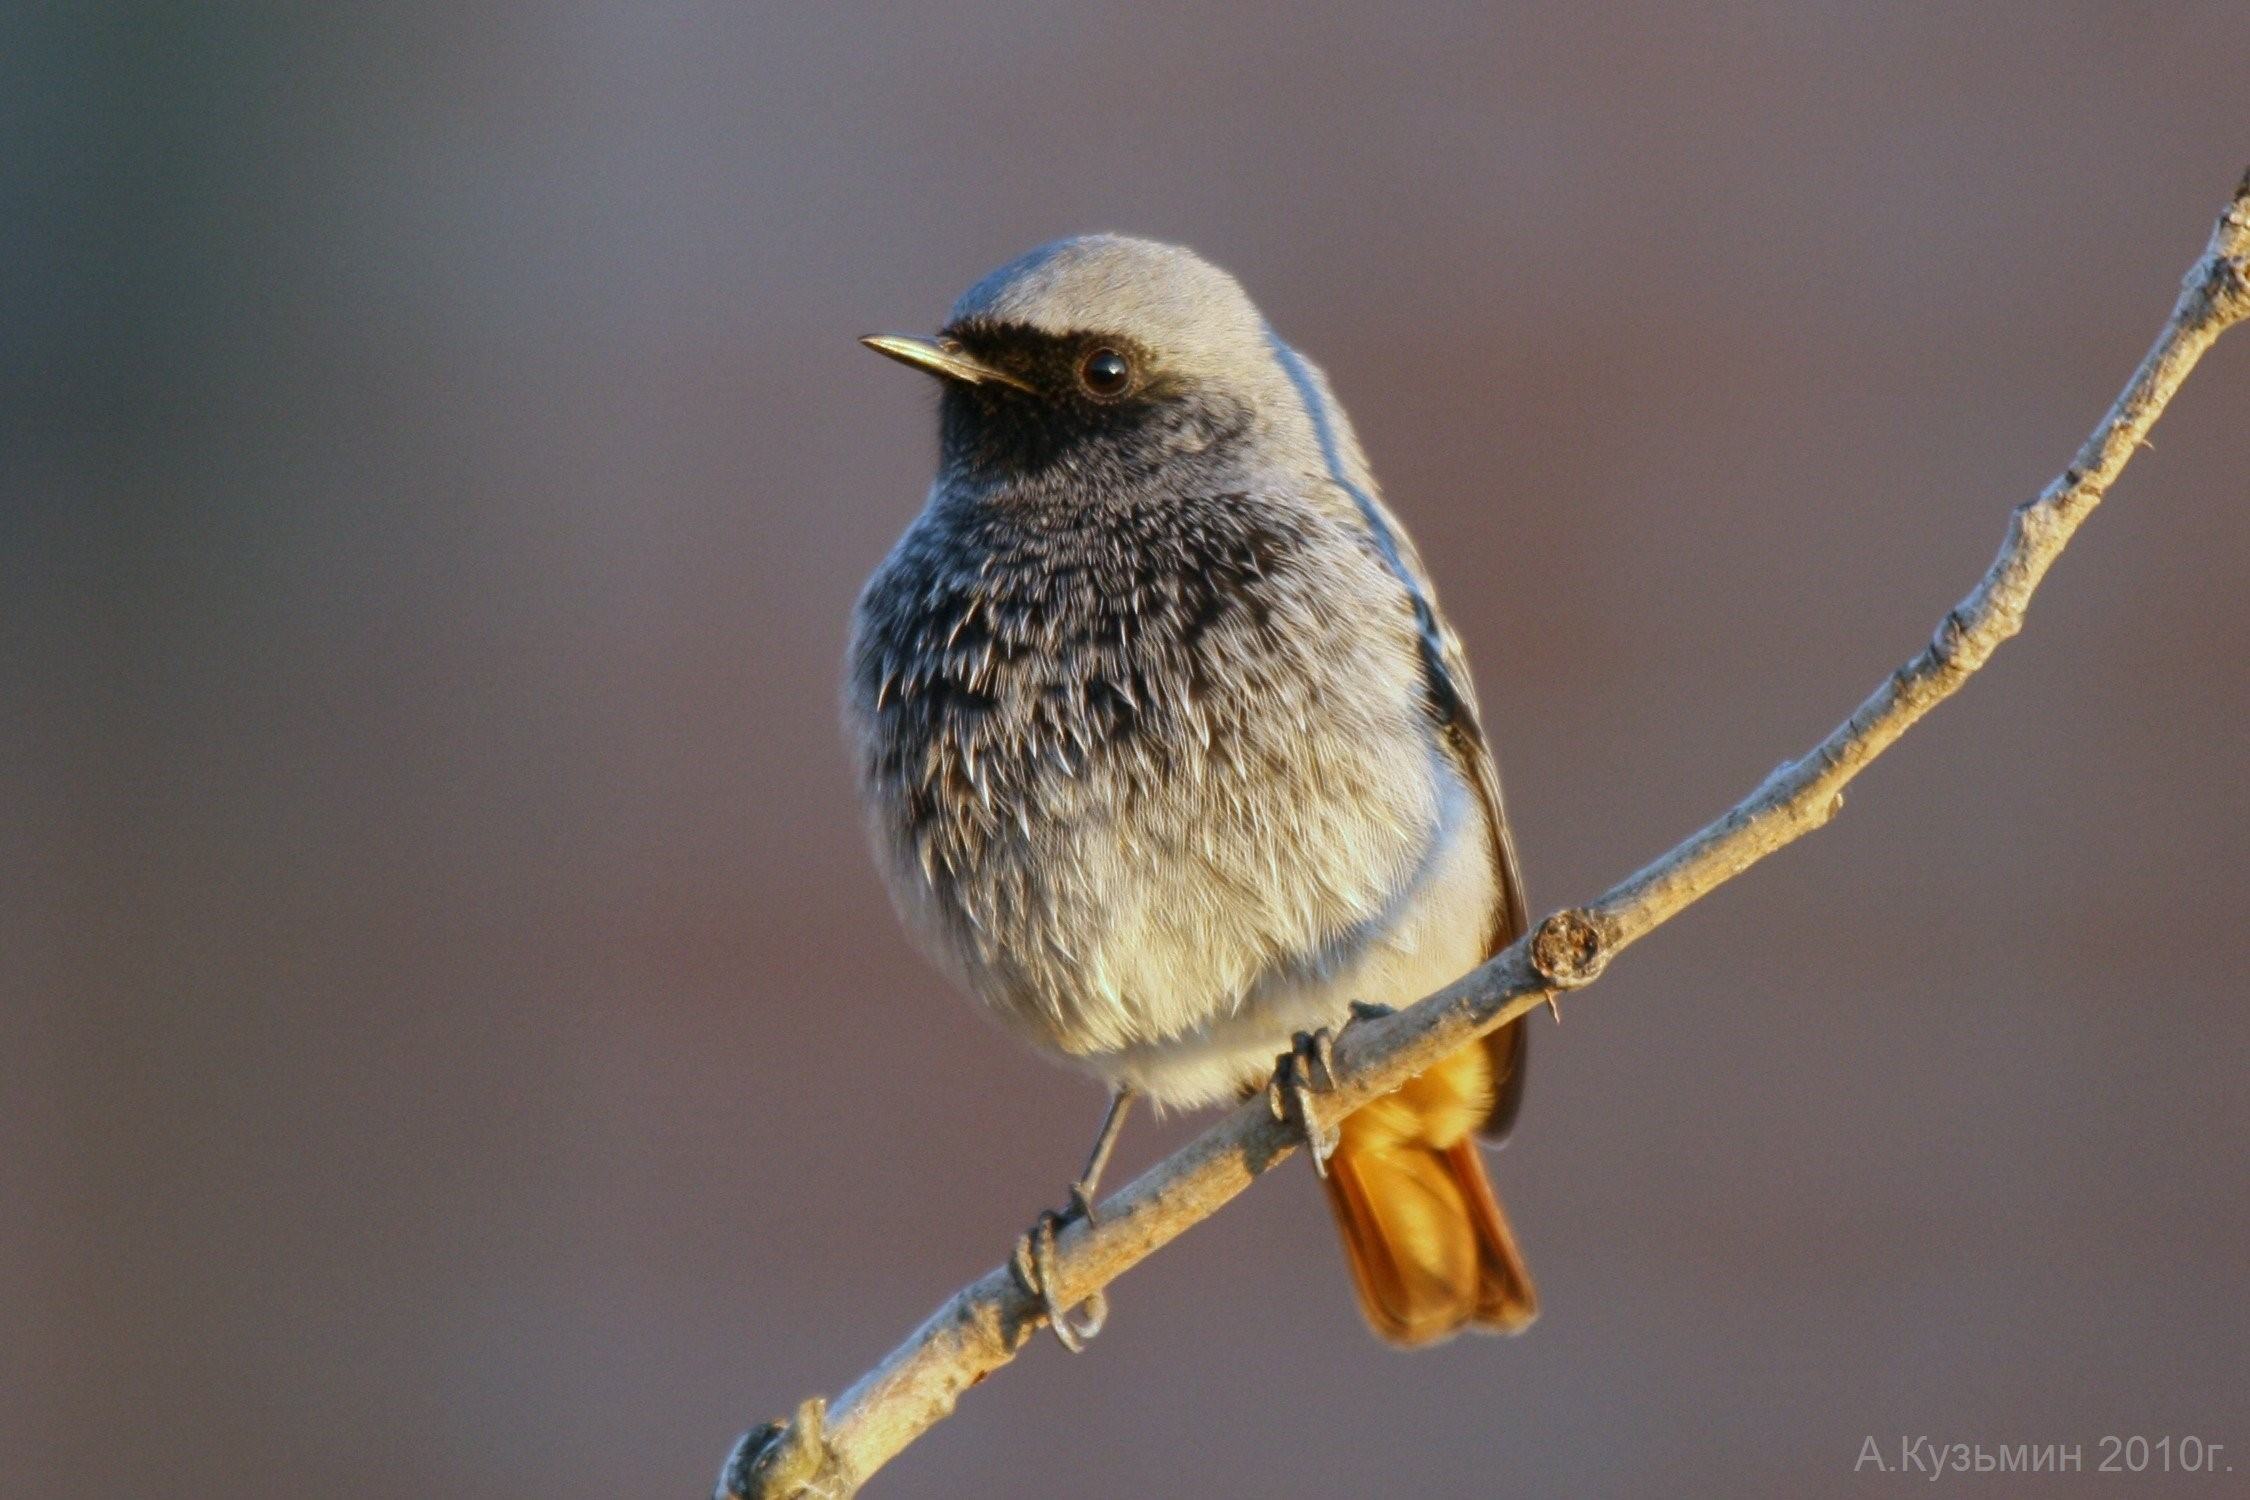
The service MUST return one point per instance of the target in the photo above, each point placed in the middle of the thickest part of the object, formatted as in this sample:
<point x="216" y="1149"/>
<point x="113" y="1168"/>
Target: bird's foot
<point x="1034" y="1259"/>
<point x="1300" y="1075"/>
<point x="1308" y="1070"/>
<point x="1034" y="1267"/>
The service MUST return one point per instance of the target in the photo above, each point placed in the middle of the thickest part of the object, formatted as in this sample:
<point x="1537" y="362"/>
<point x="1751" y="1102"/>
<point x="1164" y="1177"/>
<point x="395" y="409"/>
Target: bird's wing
<point x="1453" y="703"/>
<point x="1452" y="697"/>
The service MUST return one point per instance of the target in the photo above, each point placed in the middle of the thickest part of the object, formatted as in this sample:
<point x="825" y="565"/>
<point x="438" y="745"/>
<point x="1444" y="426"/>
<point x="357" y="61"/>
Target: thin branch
<point x="829" y="1453"/>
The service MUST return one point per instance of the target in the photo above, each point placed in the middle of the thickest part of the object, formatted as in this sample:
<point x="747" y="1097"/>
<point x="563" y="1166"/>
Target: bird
<point x="1171" y="761"/>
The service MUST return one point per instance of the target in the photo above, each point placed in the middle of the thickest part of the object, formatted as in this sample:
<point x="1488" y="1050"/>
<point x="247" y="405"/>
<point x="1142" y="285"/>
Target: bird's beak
<point x="941" y="357"/>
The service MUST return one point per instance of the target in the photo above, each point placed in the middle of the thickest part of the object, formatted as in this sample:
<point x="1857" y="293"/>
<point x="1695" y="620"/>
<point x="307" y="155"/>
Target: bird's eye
<point x="1105" y="372"/>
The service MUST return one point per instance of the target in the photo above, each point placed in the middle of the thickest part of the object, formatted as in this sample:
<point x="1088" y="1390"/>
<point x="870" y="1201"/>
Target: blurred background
<point x="453" y="1041"/>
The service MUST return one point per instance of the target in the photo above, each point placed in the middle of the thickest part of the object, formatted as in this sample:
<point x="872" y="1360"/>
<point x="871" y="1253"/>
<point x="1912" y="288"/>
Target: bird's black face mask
<point x="1099" y="403"/>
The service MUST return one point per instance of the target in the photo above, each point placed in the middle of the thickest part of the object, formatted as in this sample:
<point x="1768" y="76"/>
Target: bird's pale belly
<point x="1441" y="932"/>
<point x="1187" y="960"/>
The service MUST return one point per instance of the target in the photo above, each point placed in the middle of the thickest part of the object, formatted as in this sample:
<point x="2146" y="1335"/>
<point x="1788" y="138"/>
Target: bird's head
<point x="1100" y="357"/>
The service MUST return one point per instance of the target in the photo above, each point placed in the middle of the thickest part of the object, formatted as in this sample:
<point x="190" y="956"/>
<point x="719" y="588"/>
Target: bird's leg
<point x="1034" y="1258"/>
<point x="1113" y="1125"/>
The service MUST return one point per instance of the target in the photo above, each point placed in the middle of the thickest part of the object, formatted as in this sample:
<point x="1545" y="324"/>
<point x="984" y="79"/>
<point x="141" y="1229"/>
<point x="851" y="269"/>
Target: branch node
<point x="2222" y="278"/>
<point x="1952" y="649"/>
<point x="1569" y="950"/>
<point x="2225" y="285"/>
<point x="785" y="1461"/>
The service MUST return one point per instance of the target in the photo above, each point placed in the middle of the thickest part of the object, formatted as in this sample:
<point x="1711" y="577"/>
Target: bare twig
<point x="829" y="1453"/>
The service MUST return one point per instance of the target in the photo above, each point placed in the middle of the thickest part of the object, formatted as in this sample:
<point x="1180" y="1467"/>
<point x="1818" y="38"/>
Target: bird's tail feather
<point x="1430" y="1251"/>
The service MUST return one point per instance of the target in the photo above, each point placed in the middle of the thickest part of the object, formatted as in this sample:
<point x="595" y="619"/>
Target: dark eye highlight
<point x="1105" y="373"/>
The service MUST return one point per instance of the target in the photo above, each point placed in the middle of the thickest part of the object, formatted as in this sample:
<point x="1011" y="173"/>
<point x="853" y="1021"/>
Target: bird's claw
<point x="1308" y="1070"/>
<point x="1034" y="1267"/>
<point x="1034" y="1258"/>
<point x="1300" y="1075"/>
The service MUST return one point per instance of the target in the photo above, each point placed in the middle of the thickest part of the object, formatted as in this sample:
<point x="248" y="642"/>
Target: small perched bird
<point x="1170" y="759"/>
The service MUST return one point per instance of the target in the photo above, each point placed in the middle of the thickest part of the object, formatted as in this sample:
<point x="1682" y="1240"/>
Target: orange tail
<point x="1430" y="1251"/>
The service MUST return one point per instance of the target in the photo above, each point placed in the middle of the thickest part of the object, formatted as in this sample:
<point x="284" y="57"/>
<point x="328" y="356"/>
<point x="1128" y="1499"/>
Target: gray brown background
<point x="453" y="1043"/>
